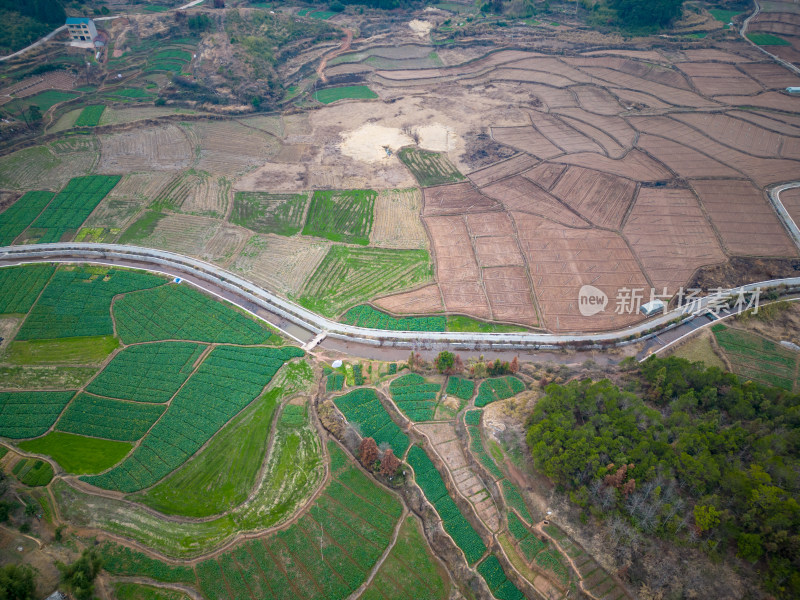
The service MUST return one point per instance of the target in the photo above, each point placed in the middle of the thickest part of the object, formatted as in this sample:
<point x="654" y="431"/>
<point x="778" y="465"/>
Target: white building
<point x="81" y="29"/>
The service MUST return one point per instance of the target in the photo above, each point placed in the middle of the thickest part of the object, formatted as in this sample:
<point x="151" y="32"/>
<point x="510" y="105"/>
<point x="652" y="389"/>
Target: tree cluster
<point x="714" y="460"/>
<point x="370" y="456"/>
<point x="78" y="578"/>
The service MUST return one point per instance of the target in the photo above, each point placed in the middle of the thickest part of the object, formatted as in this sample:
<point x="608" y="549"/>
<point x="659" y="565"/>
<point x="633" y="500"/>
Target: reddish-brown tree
<point x="368" y="452"/>
<point x="389" y="464"/>
<point x="514" y="367"/>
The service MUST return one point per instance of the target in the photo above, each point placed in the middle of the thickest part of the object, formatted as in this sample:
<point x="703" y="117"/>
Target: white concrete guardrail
<point x="122" y="254"/>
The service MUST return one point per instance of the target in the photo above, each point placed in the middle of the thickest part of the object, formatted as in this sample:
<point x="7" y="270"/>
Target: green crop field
<point x="347" y="92"/>
<point x="30" y="414"/>
<point x="63" y="351"/>
<point x="410" y="571"/>
<point x="429" y="168"/>
<point x="71" y="206"/>
<point x="224" y="473"/>
<point x="78" y="454"/>
<point x="494" y="574"/>
<point x="341" y="215"/>
<point x="33" y="472"/>
<point x="17" y="217"/>
<point x="119" y="560"/>
<point x="178" y="312"/>
<point x="77" y="302"/>
<point x="461" y="323"/>
<point x="109" y="419"/>
<point x="430" y="481"/>
<point x="141" y="228"/>
<point x="227" y="381"/>
<point x="757" y="358"/>
<point x="147" y="373"/>
<point x="21" y="286"/>
<point x="269" y="213"/>
<point x="415" y="396"/>
<point x="366" y="316"/>
<point x="724" y="16"/>
<point x="498" y="388"/>
<point x="460" y="388"/>
<point x="349" y="276"/>
<point x="138" y="591"/>
<point x="90" y="116"/>
<point x="767" y="39"/>
<point x="472" y="420"/>
<point x="362" y="408"/>
<point x="44" y="101"/>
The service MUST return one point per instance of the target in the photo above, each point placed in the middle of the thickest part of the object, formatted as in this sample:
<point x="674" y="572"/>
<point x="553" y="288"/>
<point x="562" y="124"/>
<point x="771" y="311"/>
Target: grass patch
<point x="341" y="216"/>
<point x="460" y="323"/>
<point x="699" y="348"/>
<point x="44" y="101"/>
<point x="143" y="227"/>
<point x="347" y="92"/>
<point x="429" y="168"/>
<point x="45" y="378"/>
<point x="90" y="116"/>
<point x="350" y="276"/>
<point x="63" y="351"/>
<point x="757" y="358"/>
<point x="138" y="591"/>
<point x="33" y="472"/>
<point x="136" y="93"/>
<point x="78" y="454"/>
<point x="767" y="39"/>
<point x="269" y="213"/>
<point x="724" y="16"/>
<point x="223" y="474"/>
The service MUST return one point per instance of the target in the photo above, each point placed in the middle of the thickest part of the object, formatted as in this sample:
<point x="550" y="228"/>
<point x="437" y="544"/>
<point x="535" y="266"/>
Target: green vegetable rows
<point x="110" y="419"/>
<point x="498" y="388"/>
<point x="502" y="589"/>
<point x="16" y="218"/>
<point x="30" y="414"/>
<point x="460" y="388"/>
<point x="366" y="316"/>
<point x="415" y="396"/>
<point x="362" y="408"/>
<point x="20" y="286"/>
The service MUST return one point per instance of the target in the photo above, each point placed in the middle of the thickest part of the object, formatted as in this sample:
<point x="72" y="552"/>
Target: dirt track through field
<point x="344" y="47"/>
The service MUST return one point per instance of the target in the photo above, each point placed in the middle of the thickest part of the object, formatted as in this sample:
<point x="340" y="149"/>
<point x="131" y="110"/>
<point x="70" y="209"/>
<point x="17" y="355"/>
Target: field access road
<point x="308" y="324"/>
<point x="743" y="33"/>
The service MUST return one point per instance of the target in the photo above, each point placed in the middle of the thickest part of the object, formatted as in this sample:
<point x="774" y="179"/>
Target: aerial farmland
<point x="385" y="300"/>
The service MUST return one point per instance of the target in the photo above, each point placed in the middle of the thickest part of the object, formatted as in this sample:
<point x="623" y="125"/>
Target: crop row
<point x="415" y="396"/>
<point x="20" y="286"/>
<point x="16" y="218"/>
<point x="30" y="414"/>
<point x="477" y="448"/>
<point x="325" y="555"/>
<point x="269" y="213"/>
<point x="179" y="312"/>
<point x="358" y="376"/>
<point x="498" y="388"/>
<point x="119" y="560"/>
<point x="502" y="589"/>
<point x="429" y="168"/>
<point x="455" y="524"/>
<point x="72" y="205"/>
<point x="515" y="501"/>
<point x="76" y="302"/>
<point x="33" y="472"/>
<point x="293" y="415"/>
<point x="362" y="408"/>
<point x="341" y="215"/>
<point x="90" y="116"/>
<point x="460" y="388"/>
<point x="546" y="560"/>
<point x="227" y="381"/>
<point x="366" y="316"/>
<point x="110" y="419"/>
<point x="335" y="382"/>
<point x="148" y="372"/>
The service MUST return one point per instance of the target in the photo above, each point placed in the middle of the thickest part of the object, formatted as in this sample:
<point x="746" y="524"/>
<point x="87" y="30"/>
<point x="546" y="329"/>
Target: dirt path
<point x="344" y="47"/>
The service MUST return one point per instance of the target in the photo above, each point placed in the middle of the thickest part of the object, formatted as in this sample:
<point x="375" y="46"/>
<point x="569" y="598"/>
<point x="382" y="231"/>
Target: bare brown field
<point x="508" y="289"/>
<point x="744" y="218"/>
<point x="425" y="300"/>
<point x="55" y="80"/>
<point x="671" y="236"/>
<point x="637" y="54"/>
<point x="184" y="234"/>
<point x="552" y="97"/>
<point x="225" y="244"/>
<point x="600" y="198"/>
<point x="528" y="76"/>
<point x="739" y="134"/>
<point x="721" y="86"/>
<point x="147" y="149"/>
<point x="615" y="127"/>
<point x="635" y="165"/>
<point x="457" y="198"/>
<point x="501" y="170"/>
<point x="550" y="65"/>
<point x="489" y="224"/>
<point x="229" y="148"/>
<point x="711" y="54"/>
<point x="674" y="96"/>
<point x="770" y="75"/>
<point x="498" y="251"/>
<point x="791" y="148"/>
<point x="269" y="124"/>
<point x="527" y="139"/>
<point x="709" y="69"/>
<point x="279" y="263"/>
<point x="608" y="144"/>
<point x="471" y="68"/>
<point x="199" y="193"/>
<point x="397" y="223"/>
<point x="545" y="174"/>
<point x="561" y="260"/>
<point x="521" y="194"/>
<point x="597" y="100"/>
<point x="655" y="72"/>
<point x="768" y="121"/>
<point x="774" y="100"/>
<point x="632" y="99"/>
<point x="562" y="135"/>
<point x="683" y="160"/>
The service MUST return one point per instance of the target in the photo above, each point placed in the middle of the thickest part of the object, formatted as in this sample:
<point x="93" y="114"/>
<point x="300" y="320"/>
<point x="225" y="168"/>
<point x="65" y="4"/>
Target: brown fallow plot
<point x="608" y="145"/>
<point x="520" y="194"/>
<point x="512" y="166"/>
<point x="471" y="68"/>
<point x="598" y="197"/>
<point x="774" y="100"/>
<point x="671" y="236"/>
<point x="683" y="160"/>
<point x="145" y="149"/>
<point x="509" y="293"/>
<point x="457" y="198"/>
<point x="562" y="135"/>
<point x="550" y="65"/>
<point x="528" y="76"/>
<point x="714" y="79"/>
<point x="771" y="75"/>
<point x="636" y="165"/>
<point x="657" y="73"/>
<point x="744" y="219"/>
<point x="545" y="174"/>
<point x="562" y="259"/>
<point x="709" y="54"/>
<point x="456" y="267"/>
<point x="550" y="96"/>
<point x="597" y="100"/>
<point x="769" y="121"/>
<point x="527" y="139"/>
<point x="630" y="98"/>
<point x="494" y="247"/>
<point x="613" y="126"/>
<point x="651" y="55"/>
<point x="736" y="133"/>
<point x="426" y="299"/>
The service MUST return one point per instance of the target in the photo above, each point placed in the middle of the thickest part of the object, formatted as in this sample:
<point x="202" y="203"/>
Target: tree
<point x="705" y="517"/>
<point x="647" y="13"/>
<point x="368" y="452"/>
<point x="514" y="366"/>
<point x="79" y="577"/>
<point x="389" y="464"/>
<point x="445" y="361"/>
<point x="17" y="582"/>
<point x="750" y="547"/>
